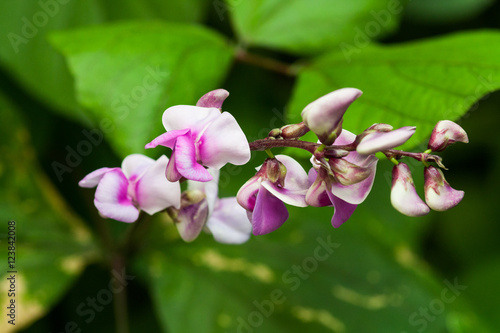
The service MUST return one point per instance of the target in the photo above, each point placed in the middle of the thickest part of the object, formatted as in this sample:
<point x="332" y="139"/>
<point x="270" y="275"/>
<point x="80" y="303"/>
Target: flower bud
<point x="213" y="99"/>
<point x="445" y="133"/>
<point x="383" y="140"/>
<point x="404" y="197"/>
<point x="324" y="116"/>
<point x="275" y="171"/>
<point x="347" y="173"/>
<point x="294" y="131"/>
<point x="439" y="195"/>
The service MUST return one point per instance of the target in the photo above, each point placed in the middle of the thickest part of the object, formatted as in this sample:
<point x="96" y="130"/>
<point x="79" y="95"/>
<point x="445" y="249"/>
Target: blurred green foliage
<point x="74" y="72"/>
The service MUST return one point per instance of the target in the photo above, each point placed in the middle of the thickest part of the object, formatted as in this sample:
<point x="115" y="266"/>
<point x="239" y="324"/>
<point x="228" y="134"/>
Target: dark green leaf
<point x="128" y="74"/>
<point x="444" y="11"/>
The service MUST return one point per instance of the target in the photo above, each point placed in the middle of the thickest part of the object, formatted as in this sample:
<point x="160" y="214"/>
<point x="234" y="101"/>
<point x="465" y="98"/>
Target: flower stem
<point x="266" y="63"/>
<point x="265" y="144"/>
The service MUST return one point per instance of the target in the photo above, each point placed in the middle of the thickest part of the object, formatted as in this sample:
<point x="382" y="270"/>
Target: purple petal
<point x="167" y="139"/>
<point x="439" y="195"/>
<point x="345" y="138"/>
<point x="343" y="211"/>
<point x="404" y="197"/>
<point x="112" y="199"/>
<point x="171" y="172"/>
<point x="296" y="177"/>
<point x="445" y="133"/>
<point x="357" y="193"/>
<point x="294" y="198"/>
<point x="213" y="99"/>
<point x="180" y="117"/>
<point x="317" y="195"/>
<point x="229" y="223"/>
<point x="185" y="160"/>
<point x="93" y="178"/>
<point x="191" y="220"/>
<point x="154" y="192"/>
<point x="269" y="214"/>
<point x="380" y="141"/>
<point x="247" y="194"/>
<point x="133" y="166"/>
<point x="223" y="142"/>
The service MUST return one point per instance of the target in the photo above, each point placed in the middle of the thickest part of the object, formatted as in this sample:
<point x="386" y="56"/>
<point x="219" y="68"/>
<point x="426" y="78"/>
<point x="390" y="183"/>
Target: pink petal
<point x="167" y="139"/>
<point x="445" y="133"/>
<point x="439" y="195"/>
<point x="171" y="172"/>
<point x="223" y="142"/>
<point x="296" y="177"/>
<point x="180" y="117"/>
<point x="343" y="211"/>
<point x="185" y="160"/>
<point x="269" y="214"/>
<point x="404" y="197"/>
<point x="191" y="220"/>
<point x="133" y="166"/>
<point x="93" y="178"/>
<point x="112" y="200"/>
<point x="317" y="195"/>
<point x="213" y="99"/>
<point x="154" y="192"/>
<point x="294" y="198"/>
<point x="345" y="138"/>
<point x="229" y="223"/>
<point x="380" y="141"/>
<point x="357" y="193"/>
<point x="247" y="194"/>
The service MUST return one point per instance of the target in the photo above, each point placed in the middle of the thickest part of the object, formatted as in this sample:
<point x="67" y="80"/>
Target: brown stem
<point x="264" y="144"/>
<point x="266" y="63"/>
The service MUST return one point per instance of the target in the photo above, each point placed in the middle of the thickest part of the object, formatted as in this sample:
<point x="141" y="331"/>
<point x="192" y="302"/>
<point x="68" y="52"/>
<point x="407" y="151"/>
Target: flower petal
<point x="294" y="198"/>
<point x="180" y="117"/>
<point x="343" y="211"/>
<point x="247" y="194"/>
<point x="185" y="160"/>
<point x="317" y="195"/>
<point x="213" y="99"/>
<point x="223" y="142"/>
<point x="210" y="188"/>
<point x="269" y="214"/>
<point x="191" y="220"/>
<point x="167" y="139"/>
<point x="404" y="197"/>
<point x="154" y="192"/>
<point x="445" y="133"/>
<point x="171" y="172"/>
<point x="296" y="178"/>
<point x="229" y="223"/>
<point x="134" y="165"/>
<point x="93" y="178"/>
<point x="439" y="195"/>
<point x="357" y="193"/>
<point x="111" y="197"/>
<point x="379" y="141"/>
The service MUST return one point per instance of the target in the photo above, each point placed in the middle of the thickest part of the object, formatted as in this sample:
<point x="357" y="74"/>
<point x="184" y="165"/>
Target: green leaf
<point x="416" y="83"/>
<point x="127" y="74"/>
<point x="292" y="280"/>
<point x="304" y="28"/>
<point x="26" y="54"/>
<point x="52" y="245"/>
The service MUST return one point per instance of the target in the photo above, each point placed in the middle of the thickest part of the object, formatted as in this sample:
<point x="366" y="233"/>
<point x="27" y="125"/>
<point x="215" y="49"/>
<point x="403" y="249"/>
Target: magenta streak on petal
<point x="167" y="139"/>
<point x="186" y="161"/>
<point x="269" y="214"/>
<point x="247" y="194"/>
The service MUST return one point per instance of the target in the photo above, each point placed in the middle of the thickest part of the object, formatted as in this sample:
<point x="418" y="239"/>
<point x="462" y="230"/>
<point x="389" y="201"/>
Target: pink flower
<point x="445" y="133"/>
<point x="439" y="195"/>
<point x="380" y="140"/>
<point x="324" y="116"/>
<point x="201" y="136"/>
<point x="139" y="184"/>
<point x="343" y="183"/>
<point x="404" y="197"/>
<point x="201" y="209"/>
<point x="280" y="180"/>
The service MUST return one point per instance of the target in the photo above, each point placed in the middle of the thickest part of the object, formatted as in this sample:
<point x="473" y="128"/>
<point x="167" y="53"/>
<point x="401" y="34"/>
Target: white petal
<point x="93" y="178"/>
<point x="229" y="222"/>
<point x="133" y="166"/>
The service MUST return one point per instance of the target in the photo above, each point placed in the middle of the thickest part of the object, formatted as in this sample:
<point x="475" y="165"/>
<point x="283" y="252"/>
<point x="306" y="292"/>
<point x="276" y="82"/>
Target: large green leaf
<point x="127" y="74"/>
<point x="27" y="55"/>
<point x="302" y="27"/>
<point x="52" y="245"/>
<point x="416" y="83"/>
<point x="291" y="281"/>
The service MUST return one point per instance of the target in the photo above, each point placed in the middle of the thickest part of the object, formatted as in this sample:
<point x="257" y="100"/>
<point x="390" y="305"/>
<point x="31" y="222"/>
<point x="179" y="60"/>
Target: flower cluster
<point x="203" y="139"/>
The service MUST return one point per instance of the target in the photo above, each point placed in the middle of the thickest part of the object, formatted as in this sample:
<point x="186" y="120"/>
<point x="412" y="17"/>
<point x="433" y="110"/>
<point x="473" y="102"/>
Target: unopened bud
<point x="380" y="141"/>
<point x="192" y="215"/>
<point x="275" y="171"/>
<point x="347" y="173"/>
<point x="213" y="99"/>
<point x="404" y="197"/>
<point x="294" y="131"/>
<point x="445" y="133"/>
